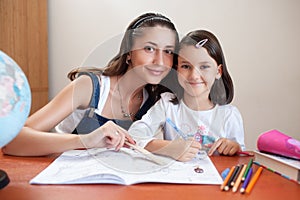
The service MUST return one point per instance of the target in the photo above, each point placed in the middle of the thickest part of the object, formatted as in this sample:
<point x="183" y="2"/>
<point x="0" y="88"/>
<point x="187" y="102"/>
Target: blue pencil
<point x="243" y="188"/>
<point x="180" y="133"/>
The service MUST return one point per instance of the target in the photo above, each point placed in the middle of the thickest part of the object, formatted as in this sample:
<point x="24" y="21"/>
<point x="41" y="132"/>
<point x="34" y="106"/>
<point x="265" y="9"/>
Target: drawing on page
<point x="138" y="162"/>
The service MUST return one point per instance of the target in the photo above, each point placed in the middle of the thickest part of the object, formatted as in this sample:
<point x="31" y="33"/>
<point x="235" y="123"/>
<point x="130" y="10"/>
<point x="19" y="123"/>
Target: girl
<point x="202" y="117"/>
<point x="121" y="93"/>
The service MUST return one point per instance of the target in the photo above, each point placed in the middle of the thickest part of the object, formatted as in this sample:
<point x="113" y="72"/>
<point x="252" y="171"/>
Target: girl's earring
<point x="127" y="61"/>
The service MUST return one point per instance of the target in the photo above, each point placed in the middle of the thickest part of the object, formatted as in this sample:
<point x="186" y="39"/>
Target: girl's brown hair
<point x="222" y="90"/>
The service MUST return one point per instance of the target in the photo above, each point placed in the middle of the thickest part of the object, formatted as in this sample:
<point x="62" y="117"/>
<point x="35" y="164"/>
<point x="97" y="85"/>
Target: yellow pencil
<point x="239" y="179"/>
<point x="254" y="179"/>
<point x="227" y="177"/>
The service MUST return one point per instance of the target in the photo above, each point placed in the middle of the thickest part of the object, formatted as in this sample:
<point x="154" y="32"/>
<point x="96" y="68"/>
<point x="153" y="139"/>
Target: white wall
<point x="260" y="40"/>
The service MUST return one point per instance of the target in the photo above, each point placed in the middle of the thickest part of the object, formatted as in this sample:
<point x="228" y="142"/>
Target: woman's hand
<point x="109" y="135"/>
<point x="225" y="146"/>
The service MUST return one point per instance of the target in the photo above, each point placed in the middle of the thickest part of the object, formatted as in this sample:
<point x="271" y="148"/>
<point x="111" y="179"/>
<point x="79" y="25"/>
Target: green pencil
<point x="247" y="169"/>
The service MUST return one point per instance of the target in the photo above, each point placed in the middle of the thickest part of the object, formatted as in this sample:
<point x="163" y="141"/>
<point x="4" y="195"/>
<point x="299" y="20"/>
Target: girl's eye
<point x="204" y="67"/>
<point x="185" y="66"/>
<point x="149" y="49"/>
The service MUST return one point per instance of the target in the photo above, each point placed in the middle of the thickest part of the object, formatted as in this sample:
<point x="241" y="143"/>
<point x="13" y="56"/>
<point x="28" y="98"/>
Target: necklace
<point x="125" y="114"/>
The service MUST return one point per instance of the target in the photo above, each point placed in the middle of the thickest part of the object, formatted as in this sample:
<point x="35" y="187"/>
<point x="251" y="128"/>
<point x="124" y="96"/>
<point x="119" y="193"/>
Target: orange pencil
<point x="254" y="179"/>
<point x="227" y="177"/>
<point x="239" y="179"/>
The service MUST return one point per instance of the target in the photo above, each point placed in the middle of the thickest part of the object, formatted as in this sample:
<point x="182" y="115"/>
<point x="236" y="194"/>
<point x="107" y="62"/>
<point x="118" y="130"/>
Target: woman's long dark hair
<point x="118" y="66"/>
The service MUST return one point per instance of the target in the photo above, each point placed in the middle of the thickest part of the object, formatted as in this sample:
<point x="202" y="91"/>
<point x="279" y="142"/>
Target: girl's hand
<point x="192" y="147"/>
<point x="109" y="135"/>
<point x="182" y="150"/>
<point x="225" y="146"/>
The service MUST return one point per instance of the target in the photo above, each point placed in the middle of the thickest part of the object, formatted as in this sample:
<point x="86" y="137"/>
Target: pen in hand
<point x="178" y="131"/>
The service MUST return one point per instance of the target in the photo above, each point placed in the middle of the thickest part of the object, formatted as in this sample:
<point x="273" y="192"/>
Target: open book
<point x="126" y="167"/>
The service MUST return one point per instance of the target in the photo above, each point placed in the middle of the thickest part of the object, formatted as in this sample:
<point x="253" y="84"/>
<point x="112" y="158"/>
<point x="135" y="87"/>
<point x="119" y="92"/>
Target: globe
<point x="15" y="99"/>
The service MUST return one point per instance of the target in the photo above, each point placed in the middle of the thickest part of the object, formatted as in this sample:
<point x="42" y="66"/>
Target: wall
<point x="260" y="40"/>
<point x="24" y="37"/>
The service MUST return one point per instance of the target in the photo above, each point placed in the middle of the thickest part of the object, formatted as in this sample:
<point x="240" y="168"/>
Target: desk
<point x="22" y="169"/>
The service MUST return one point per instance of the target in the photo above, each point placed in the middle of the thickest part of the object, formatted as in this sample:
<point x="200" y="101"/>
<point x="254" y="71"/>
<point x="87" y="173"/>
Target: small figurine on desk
<point x="200" y="116"/>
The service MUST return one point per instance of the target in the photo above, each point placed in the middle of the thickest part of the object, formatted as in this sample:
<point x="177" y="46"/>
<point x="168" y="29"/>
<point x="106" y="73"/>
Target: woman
<point x="128" y="81"/>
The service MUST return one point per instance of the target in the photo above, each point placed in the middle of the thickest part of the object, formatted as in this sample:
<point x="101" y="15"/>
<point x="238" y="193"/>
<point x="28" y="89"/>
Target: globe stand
<point x="4" y="180"/>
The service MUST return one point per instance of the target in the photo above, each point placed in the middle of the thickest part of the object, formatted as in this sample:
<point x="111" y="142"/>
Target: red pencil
<point x="245" y="153"/>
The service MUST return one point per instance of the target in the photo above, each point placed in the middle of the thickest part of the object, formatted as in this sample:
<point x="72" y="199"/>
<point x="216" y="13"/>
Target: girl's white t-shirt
<point x="205" y="126"/>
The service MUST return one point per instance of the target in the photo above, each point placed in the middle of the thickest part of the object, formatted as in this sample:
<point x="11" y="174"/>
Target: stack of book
<point x="279" y="153"/>
<point x="286" y="167"/>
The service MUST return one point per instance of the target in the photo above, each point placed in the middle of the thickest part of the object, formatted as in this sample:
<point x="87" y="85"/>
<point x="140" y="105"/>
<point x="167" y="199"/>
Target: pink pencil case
<point x="279" y="143"/>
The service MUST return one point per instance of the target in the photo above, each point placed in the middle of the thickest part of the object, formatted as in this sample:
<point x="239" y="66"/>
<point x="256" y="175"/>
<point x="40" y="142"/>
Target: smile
<point x="195" y="83"/>
<point x="155" y="72"/>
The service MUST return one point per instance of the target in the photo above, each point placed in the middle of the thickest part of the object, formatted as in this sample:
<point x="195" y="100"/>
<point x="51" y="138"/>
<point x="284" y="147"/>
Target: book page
<point x="125" y="167"/>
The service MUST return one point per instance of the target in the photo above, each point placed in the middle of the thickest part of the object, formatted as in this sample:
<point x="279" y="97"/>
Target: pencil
<point x="247" y="169"/>
<point x="227" y="178"/>
<point x="236" y="168"/>
<point x="254" y="180"/>
<point x="178" y="131"/>
<point x="245" y="153"/>
<point x="249" y="174"/>
<point x="236" y="175"/>
<point x="146" y="153"/>
<point x="239" y="179"/>
<point x="225" y="173"/>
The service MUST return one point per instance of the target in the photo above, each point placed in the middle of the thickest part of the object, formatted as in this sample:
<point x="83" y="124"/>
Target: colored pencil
<point x="227" y="178"/>
<point x="146" y="153"/>
<point x="236" y="175"/>
<point x="249" y="174"/>
<point x="254" y="180"/>
<point x="247" y="169"/>
<point x="225" y="173"/>
<point x="236" y="168"/>
<point x="178" y="131"/>
<point x="246" y="153"/>
<point x="239" y="179"/>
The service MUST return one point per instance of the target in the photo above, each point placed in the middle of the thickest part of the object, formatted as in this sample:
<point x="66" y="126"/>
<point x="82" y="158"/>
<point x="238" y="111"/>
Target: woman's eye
<point x="149" y="49"/>
<point x="169" y="51"/>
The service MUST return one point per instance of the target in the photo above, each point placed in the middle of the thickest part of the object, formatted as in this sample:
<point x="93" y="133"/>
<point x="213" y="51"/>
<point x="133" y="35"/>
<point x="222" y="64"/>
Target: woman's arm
<point x="35" y="138"/>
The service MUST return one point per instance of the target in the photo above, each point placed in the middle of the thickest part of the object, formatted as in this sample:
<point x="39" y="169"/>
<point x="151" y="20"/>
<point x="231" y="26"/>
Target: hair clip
<point x="201" y="43"/>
